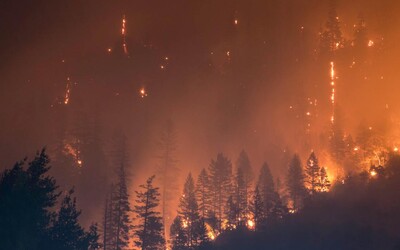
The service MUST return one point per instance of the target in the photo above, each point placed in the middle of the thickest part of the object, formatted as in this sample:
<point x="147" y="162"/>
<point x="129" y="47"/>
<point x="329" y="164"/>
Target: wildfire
<point x="210" y="232"/>
<point x="67" y="92"/>
<point x="123" y="33"/>
<point x="250" y="224"/>
<point x="333" y="91"/>
<point x="75" y="153"/>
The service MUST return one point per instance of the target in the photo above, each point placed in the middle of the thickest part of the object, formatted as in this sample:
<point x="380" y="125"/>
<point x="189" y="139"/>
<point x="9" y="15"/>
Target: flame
<point x="250" y="224"/>
<point x="332" y="72"/>
<point x="210" y="232"/>
<point x="67" y="92"/>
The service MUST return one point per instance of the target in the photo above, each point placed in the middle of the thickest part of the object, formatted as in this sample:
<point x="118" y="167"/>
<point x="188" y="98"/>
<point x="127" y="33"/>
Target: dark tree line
<point x="29" y="218"/>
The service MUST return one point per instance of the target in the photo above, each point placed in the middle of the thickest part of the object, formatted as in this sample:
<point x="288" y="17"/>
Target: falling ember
<point x="395" y="149"/>
<point x="370" y="43"/>
<point x="67" y="92"/>
<point x="236" y="22"/>
<point x="123" y="33"/>
<point x="143" y="93"/>
<point x="332" y="71"/>
<point x="373" y="173"/>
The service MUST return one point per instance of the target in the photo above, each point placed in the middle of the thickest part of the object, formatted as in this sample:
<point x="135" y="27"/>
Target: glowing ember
<point x="123" y="33"/>
<point x="333" y="91"/>
<point x="395" y="149"/>
<point x="250" y="224"/>
<point x="373" y="173"/>
<point x="67" y="92"/>
<point x="370" y="43"/>
<point x="142" y="92"/>
<point x="236" y="22"/>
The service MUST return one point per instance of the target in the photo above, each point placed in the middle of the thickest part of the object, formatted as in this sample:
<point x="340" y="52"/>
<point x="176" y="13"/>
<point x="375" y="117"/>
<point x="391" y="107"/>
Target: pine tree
<point x="266" y="188"/>
<point x="203" y="194"/>
<point x="121" y="210"/>
<point x="221" y="182"/>
<point x="231" y="214"/>
<point x="243" y="163"/>
<point x="331" y="37"/>
<point x="66" y="231"/>
<point x="295" y="183"/>
<point x="26" y="199"/>
<point x="257" y="210"/>
<point x="240" y="197"/>
<point x="93" y="237"/>
<point x="189" y="212"/>
<point x="109" y="229"/>
<point x="178" y="235"/>
<point x="312" y="172"/>
<point x="169" y="172"/>
<point x="149" y="229"/>
<point x="323" y="184"/>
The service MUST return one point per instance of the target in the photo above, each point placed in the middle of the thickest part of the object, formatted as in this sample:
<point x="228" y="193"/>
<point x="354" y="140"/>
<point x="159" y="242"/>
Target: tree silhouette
<point x="149" y="229"/>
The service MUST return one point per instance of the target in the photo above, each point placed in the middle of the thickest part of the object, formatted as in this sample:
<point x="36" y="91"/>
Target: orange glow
<point x="250" y="224"/>
<point x="373" y="173"/>
<point x="332" y="73"/>
<point x="67" y="92"/>
<point x="370" y="43"/>
<point x="143" y="92"/>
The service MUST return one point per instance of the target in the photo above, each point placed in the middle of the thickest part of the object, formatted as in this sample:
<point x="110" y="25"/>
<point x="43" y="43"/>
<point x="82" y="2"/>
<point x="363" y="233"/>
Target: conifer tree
<point x="266" y="188"/>
<point x="203" y="194"/>
<point x="295" y="183"/>
<point x="121" y="210"/>
<point x="231" y="214"/>
<point x="149" y="230"/>
<point x="257" y="209"/>
<point x="26" y="199"/>
<point x="66" y="231"/>
<point x="312" y="171"/>
<point x="221" y="184"/>
<point x="240" y="197"/>
<point x="189" y="212"/>
<point x="243" y="163"/>
<point x="323" y="184"/>
<point x="331" y="37"/>
<point x="178" y="235"/>
<point x="168" y="171"/>
<point x="108" y="227"/>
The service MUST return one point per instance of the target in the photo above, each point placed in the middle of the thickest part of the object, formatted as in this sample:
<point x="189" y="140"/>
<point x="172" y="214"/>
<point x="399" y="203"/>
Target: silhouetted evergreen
<point x="295" y="183"/>
<point x="221" y="185"/>
<point x="149" y="228"/>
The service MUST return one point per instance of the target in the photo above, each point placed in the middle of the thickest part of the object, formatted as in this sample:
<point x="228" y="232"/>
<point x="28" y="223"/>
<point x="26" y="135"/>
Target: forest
<point x="199" y="125"/>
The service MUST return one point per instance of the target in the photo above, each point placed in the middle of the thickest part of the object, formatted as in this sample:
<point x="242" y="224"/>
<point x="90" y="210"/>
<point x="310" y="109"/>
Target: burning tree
<point x="189" y="213"/>
<point x="221" y="185"/>
<point x="312" y="173"/>
<point x="295" y="183"/>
